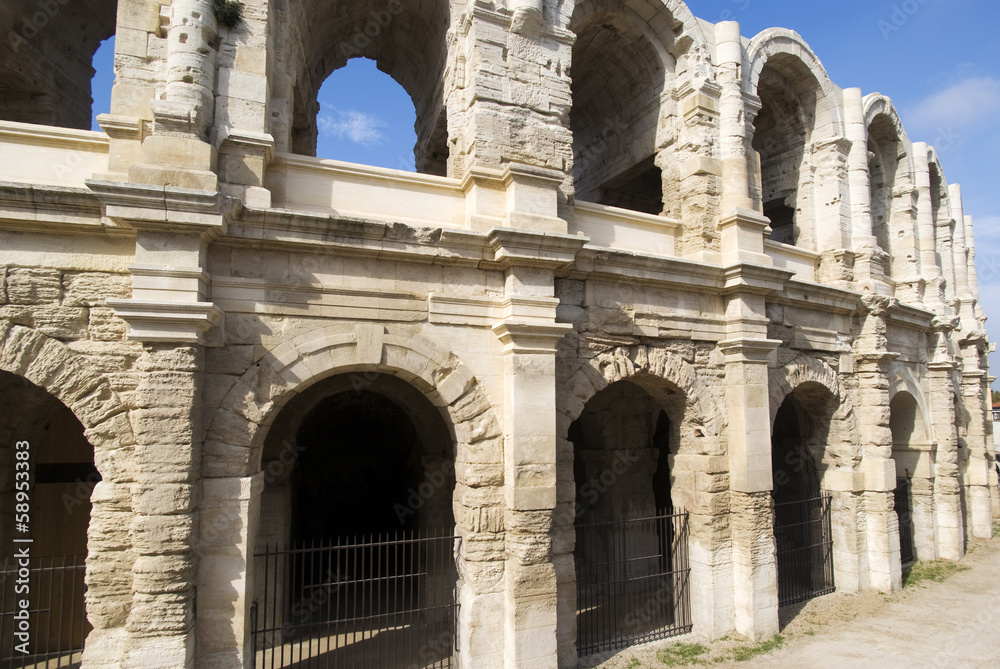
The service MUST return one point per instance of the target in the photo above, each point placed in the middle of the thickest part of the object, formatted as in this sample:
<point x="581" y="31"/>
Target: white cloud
<point x="972" y="101"/>
<point x="352" y="125"/>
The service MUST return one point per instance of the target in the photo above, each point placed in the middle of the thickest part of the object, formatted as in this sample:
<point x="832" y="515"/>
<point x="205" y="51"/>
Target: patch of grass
<point x="934" y="570"/>
<point x="633" y="663"/>
<point x="744" y="653"/>
<point x="681" y="654"/>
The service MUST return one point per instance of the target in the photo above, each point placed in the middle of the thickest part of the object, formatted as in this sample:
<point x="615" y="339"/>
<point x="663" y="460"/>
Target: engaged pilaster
<point x="529" y="333"/>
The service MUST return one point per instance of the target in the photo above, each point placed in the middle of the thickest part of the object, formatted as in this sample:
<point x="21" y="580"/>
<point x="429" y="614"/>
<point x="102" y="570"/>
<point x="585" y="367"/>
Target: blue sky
<point x="939" y="61"/>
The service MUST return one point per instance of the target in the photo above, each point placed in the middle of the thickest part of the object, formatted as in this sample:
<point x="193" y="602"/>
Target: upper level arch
<point x="408" y="42"/>
<point x="625" y="64"/>
<point x="891" y="186"/>
<point x="46" y="59"/>
<point x="799" y="121"/>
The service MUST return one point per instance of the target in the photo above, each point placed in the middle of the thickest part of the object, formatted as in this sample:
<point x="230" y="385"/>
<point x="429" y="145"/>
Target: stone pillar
<point x="529" y="335"/>
<point x="929" y="269"/>
<point x="978" y="462"/>
<point x="881" y="523"/>
<point x="833" y="214"/>
<point x="511" y="97"/>
<point x="973" y="277"/>
<point x="947" y="482"/>
<point x="168" y="435"/>
<point x="747" y="350"/>
<point x="170" y="312"/>
<point x="869" y="258"/>
<point x="229" y="513"/>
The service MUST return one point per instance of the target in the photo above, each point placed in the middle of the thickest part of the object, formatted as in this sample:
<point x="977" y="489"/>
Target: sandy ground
<point x="951" y="624"/>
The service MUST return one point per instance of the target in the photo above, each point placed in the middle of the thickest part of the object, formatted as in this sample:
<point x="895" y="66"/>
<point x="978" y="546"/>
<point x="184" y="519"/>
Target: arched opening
<point x="802" y="512"/>
<point x="406" y="42"/>
<point x="48" y="477"/>
<point x="104" y="78"/>
<point x="618" y="80"/>
<point x="783" y="131"/>
<point x="355" y="545"/>
<point x="884" y="155"/>
<point x="631" y="547"/>
<point x="365" y="117"/>
<point x="46" y="56"/>
<point x="914" y="488"/>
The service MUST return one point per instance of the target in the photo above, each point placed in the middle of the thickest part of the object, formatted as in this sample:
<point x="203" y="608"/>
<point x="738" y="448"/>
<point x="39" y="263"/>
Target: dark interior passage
<point x="802" y="514"/>
<point x="362" y="571"/>
<point x="47" y="476"/>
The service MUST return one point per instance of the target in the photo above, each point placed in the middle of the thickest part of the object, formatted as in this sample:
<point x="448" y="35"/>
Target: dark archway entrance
<point x="631" y="547"/>
<point x="356" y="550"/>
<point x="47" y="478"/>
<point x="802" y="512"/>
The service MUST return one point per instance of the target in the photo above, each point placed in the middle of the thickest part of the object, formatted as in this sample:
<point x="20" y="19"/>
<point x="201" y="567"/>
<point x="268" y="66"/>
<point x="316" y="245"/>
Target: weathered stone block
<point x="33" y="285"/>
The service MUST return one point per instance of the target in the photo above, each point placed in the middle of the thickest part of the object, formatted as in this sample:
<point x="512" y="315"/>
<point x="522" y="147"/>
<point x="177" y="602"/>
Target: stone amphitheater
<point x="667" y="331"/>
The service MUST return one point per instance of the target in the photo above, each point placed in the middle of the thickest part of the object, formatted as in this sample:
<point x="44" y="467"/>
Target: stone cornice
<point x="173" y="322"/>
<point x="165" y="207"/>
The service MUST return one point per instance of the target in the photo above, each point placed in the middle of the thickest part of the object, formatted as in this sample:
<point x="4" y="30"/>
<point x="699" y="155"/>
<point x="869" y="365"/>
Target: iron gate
<point x="804" y="539"/>
<point x="54" y="623"/>
<point x="365" y="602"/>
<point x="632" y="581"/>
<point x="903" y="503"/>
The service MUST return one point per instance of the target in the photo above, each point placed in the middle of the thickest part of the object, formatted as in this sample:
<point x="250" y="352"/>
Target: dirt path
<point x="950" y="624"/>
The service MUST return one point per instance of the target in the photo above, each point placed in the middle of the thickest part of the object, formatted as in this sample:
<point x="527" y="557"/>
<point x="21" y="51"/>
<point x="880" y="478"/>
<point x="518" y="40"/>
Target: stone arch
<point x="408" y="41"/>
<point x="45" y="77"/>
<point x="235" y="434"/>
<point x="843" y="444"/>
<point x="902" y="379"/>
<point x="77" y="384"/>
<point x="891" y="184"/>
<point x="642" y="365"/>
<point x="773" y="41"/>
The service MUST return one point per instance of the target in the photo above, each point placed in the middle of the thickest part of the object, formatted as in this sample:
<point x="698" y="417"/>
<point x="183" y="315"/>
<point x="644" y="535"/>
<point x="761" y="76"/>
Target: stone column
<point x="947" y="482"/>
<point x="881" y="523"/>
<point x="529" y="333"/>
<point x="929" y="269"/>
<point x="178" y="152"/>
<point x="965" y="306"/>
<point x="732" y="127"/>
<point x="869" y="258"/>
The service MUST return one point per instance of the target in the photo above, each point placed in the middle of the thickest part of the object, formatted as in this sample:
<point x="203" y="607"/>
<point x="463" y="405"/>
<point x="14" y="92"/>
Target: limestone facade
<point x="614" y="198"/>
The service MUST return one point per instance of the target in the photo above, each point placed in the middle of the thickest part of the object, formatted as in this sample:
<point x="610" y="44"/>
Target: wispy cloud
<point x="352" y="125"/>
<point x="970" y="102"/>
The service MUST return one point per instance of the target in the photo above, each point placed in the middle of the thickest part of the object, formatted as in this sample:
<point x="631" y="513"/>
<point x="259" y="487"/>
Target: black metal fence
<point x="366" y="602"/>
<point x="632" y="581"/>
<point x="804" y="537"/>
<point x="903" y="503"/>
<point x="49" y="632"/>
